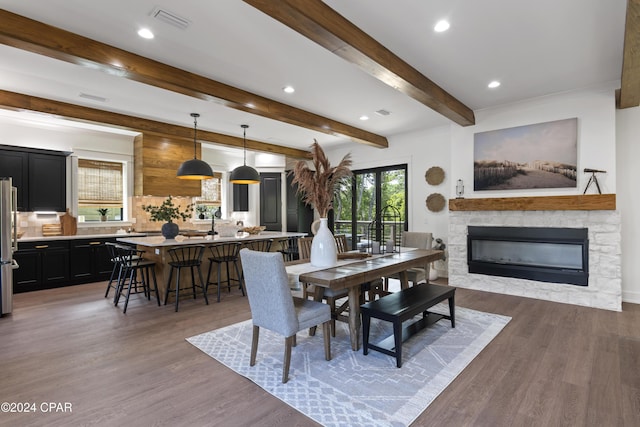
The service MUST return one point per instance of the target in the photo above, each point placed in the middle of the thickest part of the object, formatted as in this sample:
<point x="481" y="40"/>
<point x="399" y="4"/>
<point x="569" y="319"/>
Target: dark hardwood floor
<point x="553" y="365"/>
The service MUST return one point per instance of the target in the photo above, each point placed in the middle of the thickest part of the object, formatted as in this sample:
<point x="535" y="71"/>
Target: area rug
<point x="353" y="389"/>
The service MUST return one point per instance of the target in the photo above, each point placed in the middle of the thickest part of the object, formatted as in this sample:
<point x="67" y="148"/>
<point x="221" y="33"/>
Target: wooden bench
<point x="401" y="306"/>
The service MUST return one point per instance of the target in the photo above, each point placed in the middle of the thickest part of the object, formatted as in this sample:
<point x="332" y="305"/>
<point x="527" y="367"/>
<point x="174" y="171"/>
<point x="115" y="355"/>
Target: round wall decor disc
<point x="435" y="202"/>
<point x="435" y="175"/>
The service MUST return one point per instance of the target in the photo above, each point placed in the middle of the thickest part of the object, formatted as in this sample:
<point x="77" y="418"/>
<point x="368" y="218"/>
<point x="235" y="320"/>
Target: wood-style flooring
<point x="553" y="365"/>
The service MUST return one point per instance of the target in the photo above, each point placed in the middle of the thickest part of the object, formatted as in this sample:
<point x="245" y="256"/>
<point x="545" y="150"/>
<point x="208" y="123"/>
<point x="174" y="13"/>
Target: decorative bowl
<point x="254" y="230"/>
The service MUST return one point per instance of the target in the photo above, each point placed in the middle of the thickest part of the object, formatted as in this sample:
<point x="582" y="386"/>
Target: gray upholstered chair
<point x="274" y="308"/>
<point x="414" y="239"/>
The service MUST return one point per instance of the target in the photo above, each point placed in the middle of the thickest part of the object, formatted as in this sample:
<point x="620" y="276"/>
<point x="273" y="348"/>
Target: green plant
<point x="202" y="209"/>
<point x="103" y="211"/>
<point x="167" y="211"/>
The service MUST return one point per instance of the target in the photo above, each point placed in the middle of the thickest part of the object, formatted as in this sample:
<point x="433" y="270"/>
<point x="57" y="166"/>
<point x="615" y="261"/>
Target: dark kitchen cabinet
<point x="15" y="164"/>
<point x="241" y="197"/>
<point x="39" y="175"/>
<point x="89" y="260"/>
<point x="47" y="182"/>
<point x="43" y="265"/>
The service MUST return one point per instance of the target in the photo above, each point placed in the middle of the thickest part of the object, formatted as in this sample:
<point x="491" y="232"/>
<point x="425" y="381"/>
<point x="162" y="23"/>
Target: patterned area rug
<point x="353" y="389"/>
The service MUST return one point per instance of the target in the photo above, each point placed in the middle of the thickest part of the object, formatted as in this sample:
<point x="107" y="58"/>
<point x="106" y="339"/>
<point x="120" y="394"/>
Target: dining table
<point x="353" y="273"/>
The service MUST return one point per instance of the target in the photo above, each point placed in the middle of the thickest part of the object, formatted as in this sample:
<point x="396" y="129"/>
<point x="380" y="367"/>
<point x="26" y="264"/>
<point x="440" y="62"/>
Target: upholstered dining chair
<point x="274" y="308"/>
<point x="413" y="239"/>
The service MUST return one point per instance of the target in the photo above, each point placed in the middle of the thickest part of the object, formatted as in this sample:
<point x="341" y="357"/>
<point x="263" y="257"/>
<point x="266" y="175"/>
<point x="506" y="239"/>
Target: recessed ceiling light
<point x="364" y="117"/>
<point x="441" y="26"/>
<point x="288" y="89"/>
<point x="494" y="84"/>
<point x="145" y="33"/>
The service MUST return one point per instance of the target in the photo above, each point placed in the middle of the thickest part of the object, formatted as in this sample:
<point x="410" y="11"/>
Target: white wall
<point x="419" y="150"/>
<point x="627" y="200"/>
<point x="595" y="110"/>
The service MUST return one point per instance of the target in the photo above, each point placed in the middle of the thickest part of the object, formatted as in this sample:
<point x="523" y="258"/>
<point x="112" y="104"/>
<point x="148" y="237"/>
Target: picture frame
<point x="541" y="155"/>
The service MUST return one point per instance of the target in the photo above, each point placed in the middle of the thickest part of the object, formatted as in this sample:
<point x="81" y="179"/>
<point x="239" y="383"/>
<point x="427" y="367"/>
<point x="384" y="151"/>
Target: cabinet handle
<point x="42" y="246"/>
<point x="95" y="243"/>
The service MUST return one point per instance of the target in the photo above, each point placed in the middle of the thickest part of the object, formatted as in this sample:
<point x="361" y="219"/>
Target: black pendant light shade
<point x="244" y="174"/>
<point x="194" y="168"/>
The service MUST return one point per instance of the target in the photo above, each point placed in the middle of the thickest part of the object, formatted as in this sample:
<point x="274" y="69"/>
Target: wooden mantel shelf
<point x="588" y="202"/>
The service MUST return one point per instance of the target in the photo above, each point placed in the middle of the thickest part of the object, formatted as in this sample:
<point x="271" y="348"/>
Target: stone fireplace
<point x="602" y="287"/>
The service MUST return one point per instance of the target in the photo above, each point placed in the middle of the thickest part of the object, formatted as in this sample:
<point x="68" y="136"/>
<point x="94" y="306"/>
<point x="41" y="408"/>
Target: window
<point x="211" y="198"/>
<point x="358" y="201"/>
<point x="100" y="189"/>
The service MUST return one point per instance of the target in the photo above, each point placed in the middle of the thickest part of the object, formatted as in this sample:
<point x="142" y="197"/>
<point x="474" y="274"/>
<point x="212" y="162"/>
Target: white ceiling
<point x="533" y="47"/>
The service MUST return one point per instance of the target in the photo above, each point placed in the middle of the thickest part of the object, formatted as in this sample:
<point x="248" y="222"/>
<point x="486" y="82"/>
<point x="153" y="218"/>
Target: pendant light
<point x="244" y="174"/>
<point x="194" y="168"/>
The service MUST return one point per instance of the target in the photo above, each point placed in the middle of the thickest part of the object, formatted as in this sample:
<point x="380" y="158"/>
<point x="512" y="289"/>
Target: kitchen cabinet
<point x="47" y="182"/>
<point x="89" y="260"/>
<point x="241" y="197"/>
<point x="43" y="265"/>
<point x="16" y="165"/>
<point x="54" y="263"/>
<point x="39" y="175"/>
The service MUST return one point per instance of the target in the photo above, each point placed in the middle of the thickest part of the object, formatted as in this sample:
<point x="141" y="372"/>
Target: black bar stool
<point x="134" y="271"/>
<point x="117" y="267"/>
<point x="225" y="253"/>
<point x="259" y="245"/>
<point x="182" y="257"/>
<point x="289" y="248"/>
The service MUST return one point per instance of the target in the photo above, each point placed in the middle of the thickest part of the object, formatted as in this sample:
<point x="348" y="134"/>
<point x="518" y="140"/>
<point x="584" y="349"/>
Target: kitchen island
<point x="156" y="249"/>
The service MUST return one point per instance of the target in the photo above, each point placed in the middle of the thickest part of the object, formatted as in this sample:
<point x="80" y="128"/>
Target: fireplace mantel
<point x="588" y="202"/>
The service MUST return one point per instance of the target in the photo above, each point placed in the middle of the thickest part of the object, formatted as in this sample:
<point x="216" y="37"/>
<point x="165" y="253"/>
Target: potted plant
<point x="103" y="213"/>
<point x="317" y="188"/>
<point x="202" y="209"/>
<point x="167" y="212"/>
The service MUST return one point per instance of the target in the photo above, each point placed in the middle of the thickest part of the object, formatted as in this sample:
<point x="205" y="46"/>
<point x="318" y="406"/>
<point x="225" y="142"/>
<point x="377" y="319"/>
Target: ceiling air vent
<point x="170" y="18"/>
<point x="382" y="112"/>
<point x="92" y="97"/>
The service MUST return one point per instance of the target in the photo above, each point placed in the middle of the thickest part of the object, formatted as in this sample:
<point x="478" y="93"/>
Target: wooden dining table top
<point x="368" y="269"/>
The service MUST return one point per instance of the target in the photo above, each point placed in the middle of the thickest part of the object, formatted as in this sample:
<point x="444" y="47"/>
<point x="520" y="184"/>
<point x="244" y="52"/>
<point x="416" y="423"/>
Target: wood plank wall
<point x="156" y="161"/>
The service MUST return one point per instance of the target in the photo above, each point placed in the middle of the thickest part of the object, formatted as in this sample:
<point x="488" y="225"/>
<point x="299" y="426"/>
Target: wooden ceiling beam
<point x="33" y="36"/>
<point x="323" y="25"/>
<point x="629" y="95"/>
<point x="18" y="102"/>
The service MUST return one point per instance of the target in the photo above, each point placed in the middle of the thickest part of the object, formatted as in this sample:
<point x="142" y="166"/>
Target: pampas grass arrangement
<point x="318" y="186"/>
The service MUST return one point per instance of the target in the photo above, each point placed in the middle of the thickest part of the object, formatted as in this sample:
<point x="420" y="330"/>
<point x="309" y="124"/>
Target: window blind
<point x="99" y="183"/>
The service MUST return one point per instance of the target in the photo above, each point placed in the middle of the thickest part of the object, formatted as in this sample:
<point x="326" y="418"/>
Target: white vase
<point x="323" y="248"/>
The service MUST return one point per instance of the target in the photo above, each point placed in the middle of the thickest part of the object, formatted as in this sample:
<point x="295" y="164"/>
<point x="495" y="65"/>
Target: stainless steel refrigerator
<point x="8" y="243"/>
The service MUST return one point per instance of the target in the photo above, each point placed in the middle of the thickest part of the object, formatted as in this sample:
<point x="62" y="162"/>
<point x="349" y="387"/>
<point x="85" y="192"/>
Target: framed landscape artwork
<point x="542" y="155"/>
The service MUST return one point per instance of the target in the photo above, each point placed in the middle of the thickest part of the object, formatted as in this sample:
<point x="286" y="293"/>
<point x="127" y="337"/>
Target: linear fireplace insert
<point x="545" y="254"/>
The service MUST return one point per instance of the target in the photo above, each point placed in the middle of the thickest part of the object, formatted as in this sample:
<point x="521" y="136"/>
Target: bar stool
<point x="225" y="253"/>
<point x="289" y="248"/>
<point x="134" y="271"/>
<point x="117" y="267"/>
<point x="259" y="245"/>
<point x="188" y="256"/>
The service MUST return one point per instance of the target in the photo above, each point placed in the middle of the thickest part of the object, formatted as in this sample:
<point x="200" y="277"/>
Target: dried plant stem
<point x="317" y="186"/>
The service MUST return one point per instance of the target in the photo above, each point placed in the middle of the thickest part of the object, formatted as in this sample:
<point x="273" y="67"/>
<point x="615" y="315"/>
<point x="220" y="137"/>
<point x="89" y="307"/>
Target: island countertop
<point x="159" y="241"/>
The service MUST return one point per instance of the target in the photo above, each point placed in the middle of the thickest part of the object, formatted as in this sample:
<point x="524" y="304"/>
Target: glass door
<point x="356" y="205"/>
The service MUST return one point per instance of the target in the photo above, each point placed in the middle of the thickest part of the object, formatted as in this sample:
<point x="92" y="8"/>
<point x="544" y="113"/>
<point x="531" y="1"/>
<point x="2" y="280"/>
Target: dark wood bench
<point x="401" y="306"/>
